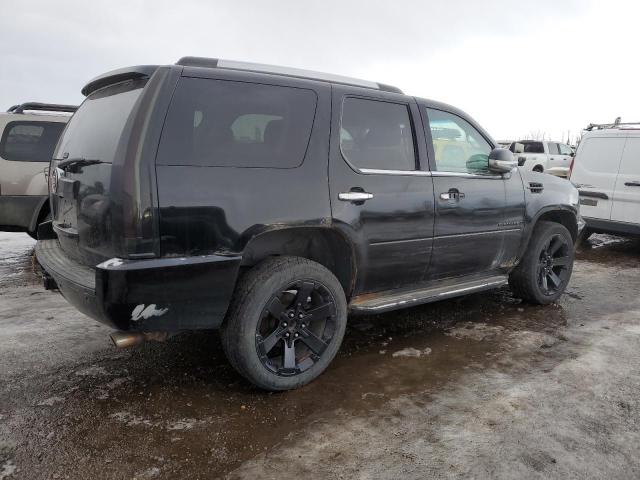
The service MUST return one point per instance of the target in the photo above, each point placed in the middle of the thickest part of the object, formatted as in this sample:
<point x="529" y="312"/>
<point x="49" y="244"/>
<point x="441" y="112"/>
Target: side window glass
<point x="25" y="141"/>
<point x="565" y="149"/>
<point x="377" y="135"/>
<point x="457" y="145"/>
<point x="553" y="148"/>
<point x="221" y="123"/>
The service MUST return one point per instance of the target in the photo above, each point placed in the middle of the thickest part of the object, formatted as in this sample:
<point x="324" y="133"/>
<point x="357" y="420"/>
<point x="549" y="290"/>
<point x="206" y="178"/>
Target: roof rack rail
<point x="43" y="107"/>
<point x="286" y="71"/>
<point x="617" y="123"/>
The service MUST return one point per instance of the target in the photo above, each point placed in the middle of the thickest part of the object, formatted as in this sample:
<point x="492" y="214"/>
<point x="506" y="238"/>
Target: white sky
<point x="516" y="67"/>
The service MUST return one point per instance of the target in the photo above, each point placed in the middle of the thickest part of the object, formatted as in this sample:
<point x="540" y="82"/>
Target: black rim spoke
<point x="304" y="292"/>
<point x="275" y="307"/>
<point x="289" y="362"/>
<point x="561" y="261"/>
<point x="320" y="312"/>
<point x="554" y="279"/>
<point x="271" y="341"/>
<point x="296" y="327"/>
<point x="316" y="345"/>
<point x="554" y="263"/>
<point x="555" y="245"/>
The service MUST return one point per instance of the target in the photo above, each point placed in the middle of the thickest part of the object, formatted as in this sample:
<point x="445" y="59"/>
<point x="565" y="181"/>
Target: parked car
<point x="29" y="133"/>
<point x="270" y="202"/>
<point x="606" y="170"/>
<point x="543" y="156"/>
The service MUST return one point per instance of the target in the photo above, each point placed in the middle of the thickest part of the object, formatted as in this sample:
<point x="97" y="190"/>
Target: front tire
<point x="545" y="270"/>
<point x="285" y="323"/>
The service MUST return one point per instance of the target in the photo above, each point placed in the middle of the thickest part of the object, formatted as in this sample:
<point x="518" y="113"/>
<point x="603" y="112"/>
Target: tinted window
<point x="30" y="141"/>
<point x="457" y="145"/>
<point x="533" y="147"/>
<point x="553" y="148"/>
<point x="237" y="124"/>
<point x="377" y="135"/>
<point x="95" y="129"/>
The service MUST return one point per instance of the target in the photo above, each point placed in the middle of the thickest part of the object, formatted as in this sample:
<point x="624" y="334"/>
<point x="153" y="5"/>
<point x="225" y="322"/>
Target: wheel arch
<point x="39" y="214"/>
<point x="558" y="214"/>
<point x="324" y="245"/>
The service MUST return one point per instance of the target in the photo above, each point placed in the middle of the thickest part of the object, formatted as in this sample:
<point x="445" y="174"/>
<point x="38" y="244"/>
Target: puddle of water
<point x="16" y="265"/>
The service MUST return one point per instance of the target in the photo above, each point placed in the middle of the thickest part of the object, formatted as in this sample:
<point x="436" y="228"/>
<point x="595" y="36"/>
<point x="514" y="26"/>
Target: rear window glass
<point x="95" y="129"/>
<point x="237" y="124"/>
<point x="529" y="147"/>
<point x="25" y="141"/>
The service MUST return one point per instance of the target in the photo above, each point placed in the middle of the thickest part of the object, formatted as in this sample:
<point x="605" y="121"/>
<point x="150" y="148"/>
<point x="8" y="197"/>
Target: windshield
<point x="94" y="130"/>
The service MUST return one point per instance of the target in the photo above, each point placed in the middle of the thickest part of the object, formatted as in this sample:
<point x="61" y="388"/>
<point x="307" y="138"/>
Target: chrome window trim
<point x="466" y="175"/>
<point x="423" y="173"/>
<point x="376" y="171"/>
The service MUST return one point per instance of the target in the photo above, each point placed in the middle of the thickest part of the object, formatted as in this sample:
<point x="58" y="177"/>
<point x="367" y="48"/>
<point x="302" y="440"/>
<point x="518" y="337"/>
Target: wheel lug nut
<point x="284" y="324"/>
<point x="295" y="334"/>
<point x="291" y="315"/>
<point x="300" y="315"/>
<point x="286" y="334"/>
<point x="302" y="325"/>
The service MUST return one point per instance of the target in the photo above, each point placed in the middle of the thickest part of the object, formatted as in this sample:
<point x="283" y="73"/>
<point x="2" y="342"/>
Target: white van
<point x="28" y="135"/>
<point x="606" y="170"/>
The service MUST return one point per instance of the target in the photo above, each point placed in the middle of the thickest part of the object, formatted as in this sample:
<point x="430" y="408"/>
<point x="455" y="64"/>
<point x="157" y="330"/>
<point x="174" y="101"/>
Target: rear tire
<point x="545" y="270"/>
<point x="285" y="323"/>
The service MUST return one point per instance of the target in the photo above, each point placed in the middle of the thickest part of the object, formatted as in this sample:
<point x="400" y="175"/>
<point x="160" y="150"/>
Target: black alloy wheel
<point x="296" y="327"/>
<point x="285" y="323"/>
<point x="553" y="265"/>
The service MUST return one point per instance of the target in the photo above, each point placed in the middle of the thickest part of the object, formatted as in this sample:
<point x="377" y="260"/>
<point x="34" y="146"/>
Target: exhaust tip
<point x="131" y="339"/>
<point x="126" y="339"/>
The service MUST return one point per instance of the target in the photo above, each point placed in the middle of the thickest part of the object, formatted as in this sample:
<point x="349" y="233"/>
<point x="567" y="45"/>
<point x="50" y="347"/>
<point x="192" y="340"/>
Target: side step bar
<point x="380" y="302"/>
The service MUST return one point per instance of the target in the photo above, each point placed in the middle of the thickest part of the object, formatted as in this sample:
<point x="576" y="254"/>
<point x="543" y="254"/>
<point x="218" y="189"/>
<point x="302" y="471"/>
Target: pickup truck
<point x="543" y="156"/>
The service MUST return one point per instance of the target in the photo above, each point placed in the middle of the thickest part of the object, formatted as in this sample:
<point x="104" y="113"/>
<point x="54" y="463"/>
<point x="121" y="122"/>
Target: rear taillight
<point x="571" y="166"/>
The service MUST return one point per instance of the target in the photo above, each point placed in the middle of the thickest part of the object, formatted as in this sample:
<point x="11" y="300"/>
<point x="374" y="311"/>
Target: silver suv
<point x="29" y="134"/>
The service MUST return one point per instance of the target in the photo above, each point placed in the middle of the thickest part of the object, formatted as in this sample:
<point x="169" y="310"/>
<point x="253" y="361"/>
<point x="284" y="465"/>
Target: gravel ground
<point x="478" y="387"/>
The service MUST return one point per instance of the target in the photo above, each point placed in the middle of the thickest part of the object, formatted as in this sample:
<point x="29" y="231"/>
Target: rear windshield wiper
<point x="73" y="163"/>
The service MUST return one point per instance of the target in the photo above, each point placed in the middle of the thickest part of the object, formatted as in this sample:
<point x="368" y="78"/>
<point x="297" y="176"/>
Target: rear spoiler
<point x="117" y="76"/>
<point x="43" y="107"/>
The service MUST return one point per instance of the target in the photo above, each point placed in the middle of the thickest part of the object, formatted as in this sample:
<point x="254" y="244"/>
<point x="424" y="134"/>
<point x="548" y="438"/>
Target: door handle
<point x="632" y="184"/>
<point x="355" y="196"/>
<point x="452" y="194"/>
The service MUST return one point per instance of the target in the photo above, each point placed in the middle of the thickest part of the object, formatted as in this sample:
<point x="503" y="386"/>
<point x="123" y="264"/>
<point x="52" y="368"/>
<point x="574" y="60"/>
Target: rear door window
<point x="25" y="141"/>
<point x="553" y="148"/>
<point x="377" y="135"/>
<point x="223" y="123"/>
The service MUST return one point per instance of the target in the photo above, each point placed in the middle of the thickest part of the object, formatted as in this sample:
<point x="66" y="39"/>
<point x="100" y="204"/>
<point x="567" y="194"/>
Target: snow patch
<point x="411" y="352"/>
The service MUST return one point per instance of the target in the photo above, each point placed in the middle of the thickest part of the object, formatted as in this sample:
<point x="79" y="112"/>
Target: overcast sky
<point x="517" y="67"/>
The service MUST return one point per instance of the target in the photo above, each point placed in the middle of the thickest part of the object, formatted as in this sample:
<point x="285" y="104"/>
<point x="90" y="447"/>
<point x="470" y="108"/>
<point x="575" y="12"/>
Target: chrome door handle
<point x="355" y="196"/>
<point x="632" y="184"/>
<point x="452" y="195"/>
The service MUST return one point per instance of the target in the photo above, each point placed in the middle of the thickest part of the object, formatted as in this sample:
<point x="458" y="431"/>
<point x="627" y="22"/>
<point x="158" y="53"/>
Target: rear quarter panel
<point x="212" y="209"/>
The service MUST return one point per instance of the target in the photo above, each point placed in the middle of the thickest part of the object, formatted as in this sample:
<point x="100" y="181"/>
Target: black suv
<point x="271" y="202"/>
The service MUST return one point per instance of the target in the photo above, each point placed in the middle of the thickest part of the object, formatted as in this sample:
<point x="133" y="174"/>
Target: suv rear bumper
<point x="20" y="212"/>
<point x="166" y="294"/>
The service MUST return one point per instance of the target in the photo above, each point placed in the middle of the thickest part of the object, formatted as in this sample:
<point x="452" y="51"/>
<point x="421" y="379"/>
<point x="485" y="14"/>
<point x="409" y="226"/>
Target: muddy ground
<point x="499" y="390"/>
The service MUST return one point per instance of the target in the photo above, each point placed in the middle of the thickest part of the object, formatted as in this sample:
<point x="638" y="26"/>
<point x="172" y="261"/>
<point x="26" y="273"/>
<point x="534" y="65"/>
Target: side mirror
<point x="518" y="148"/>
<point x="501" y="161"/>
